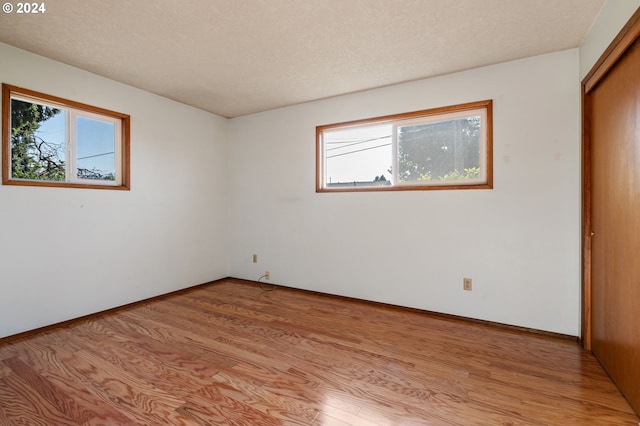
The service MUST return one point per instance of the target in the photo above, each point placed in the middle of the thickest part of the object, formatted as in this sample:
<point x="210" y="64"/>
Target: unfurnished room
<point x="327" y="213"/>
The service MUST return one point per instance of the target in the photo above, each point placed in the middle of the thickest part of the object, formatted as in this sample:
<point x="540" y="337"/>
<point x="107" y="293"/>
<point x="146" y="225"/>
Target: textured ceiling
<point x="236" y="57"/>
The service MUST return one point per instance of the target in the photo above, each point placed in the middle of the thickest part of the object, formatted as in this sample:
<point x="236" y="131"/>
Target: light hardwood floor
<point x="232" y="354"/>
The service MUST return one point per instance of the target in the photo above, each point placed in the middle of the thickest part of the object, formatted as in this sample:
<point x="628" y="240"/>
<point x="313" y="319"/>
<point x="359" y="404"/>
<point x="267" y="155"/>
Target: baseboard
<point x="416" y="310"/>
<point x="67" y="323"/>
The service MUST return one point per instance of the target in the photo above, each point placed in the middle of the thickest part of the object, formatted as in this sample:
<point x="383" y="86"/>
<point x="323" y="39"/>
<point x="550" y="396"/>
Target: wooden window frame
<point x="486" y="105"/>
<point x="122" y="169"/>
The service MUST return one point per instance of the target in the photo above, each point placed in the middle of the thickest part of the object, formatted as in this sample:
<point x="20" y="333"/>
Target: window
<point x="442" y="148"/>
<point x="49" y="141"/>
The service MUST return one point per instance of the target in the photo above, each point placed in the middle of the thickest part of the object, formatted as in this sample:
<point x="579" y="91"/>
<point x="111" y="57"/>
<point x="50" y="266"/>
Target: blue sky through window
<point x="96" y="145"/>
<point x="95" y="141"/>
<point x="53" y="131"/>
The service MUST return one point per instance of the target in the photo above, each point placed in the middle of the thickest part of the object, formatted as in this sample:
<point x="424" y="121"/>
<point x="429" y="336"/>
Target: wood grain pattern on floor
<point x="232" y="354"/>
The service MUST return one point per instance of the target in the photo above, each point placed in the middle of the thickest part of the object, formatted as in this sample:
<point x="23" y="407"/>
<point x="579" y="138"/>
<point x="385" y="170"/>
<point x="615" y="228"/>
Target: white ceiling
<point x="236" y="57"/>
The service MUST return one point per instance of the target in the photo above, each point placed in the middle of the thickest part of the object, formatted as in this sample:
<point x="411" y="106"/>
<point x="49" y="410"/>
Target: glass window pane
<point x="96" y="153"/>
<point x="38" y="138"/>
<point x="359" y="156"/>
<point x="440" y="151"/>
<point x="441" y="148"/>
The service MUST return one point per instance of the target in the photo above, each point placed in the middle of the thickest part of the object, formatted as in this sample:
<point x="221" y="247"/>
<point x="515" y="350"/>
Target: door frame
<point x="625" y="38"/>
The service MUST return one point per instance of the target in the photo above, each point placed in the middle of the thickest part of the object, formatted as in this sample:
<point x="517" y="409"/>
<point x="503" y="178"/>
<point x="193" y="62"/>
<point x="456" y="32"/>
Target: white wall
<point x="520" y="242"/>
<point x="67" y="252"/>
<point x="612" y="17"/>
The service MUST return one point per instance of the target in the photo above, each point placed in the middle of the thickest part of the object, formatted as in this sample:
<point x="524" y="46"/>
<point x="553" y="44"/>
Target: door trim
<point x="625" y="38"/>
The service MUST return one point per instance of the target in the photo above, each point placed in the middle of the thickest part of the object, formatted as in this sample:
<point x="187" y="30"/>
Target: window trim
<point x="487" y="105"/>
<point x="9" y="91"/>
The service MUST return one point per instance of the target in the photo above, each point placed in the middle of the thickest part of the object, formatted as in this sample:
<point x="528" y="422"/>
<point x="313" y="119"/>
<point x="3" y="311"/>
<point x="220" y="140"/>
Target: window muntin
<point x="443" y="148"/>
<point x="50" y="141"/>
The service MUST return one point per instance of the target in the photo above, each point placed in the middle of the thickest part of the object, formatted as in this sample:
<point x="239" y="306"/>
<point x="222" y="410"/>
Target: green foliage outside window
<point x="31" y="156"/>
<point x="441" y="151"/>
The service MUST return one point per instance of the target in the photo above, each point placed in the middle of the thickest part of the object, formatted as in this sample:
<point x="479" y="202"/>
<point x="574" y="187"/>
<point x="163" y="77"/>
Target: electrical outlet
<point x="267" y="275"/>
<point x="466" y="284"/>
<point x="255" y="258"/>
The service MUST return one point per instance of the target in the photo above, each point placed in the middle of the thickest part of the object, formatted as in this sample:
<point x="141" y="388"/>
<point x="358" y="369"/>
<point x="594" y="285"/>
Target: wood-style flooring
<point x="231" y="354"/>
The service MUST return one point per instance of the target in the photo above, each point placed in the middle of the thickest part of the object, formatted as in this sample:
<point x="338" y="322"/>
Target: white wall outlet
<point x="267" y="275"/>
<point x="255" y="258"/>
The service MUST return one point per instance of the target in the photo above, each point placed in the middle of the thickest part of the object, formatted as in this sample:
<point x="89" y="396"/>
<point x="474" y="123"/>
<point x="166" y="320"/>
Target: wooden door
<point x="612" y="111"/>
